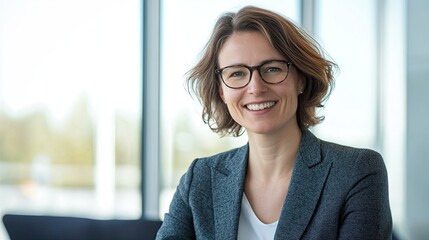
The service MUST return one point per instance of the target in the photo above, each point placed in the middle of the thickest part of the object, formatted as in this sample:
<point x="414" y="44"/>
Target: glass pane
<point x="186" y="27"/>
<point x="70" y="107"/>
<point x="348" y="34"/>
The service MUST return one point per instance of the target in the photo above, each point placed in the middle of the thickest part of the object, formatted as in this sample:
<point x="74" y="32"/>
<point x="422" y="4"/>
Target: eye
<point x="235" y="73"/>
<point x="273" y="70"/>
<point x="274" y="67"/>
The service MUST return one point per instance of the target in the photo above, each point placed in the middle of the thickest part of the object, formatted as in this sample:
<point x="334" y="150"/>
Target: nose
<point x="256" y="84"/>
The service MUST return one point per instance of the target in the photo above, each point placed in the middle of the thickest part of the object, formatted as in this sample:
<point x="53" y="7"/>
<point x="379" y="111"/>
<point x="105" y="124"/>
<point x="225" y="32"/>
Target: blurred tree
<point x="127" y="140"/>
<point x="74" y="141"/>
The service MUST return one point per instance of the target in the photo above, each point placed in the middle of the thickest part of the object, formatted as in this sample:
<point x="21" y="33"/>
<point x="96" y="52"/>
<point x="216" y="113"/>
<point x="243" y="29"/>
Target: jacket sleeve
<point x="178" y="223"/>
<point x="366" y="212"/>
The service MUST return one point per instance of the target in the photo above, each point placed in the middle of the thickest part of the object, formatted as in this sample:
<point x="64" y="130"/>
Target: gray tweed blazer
<point x="336" y="192"/>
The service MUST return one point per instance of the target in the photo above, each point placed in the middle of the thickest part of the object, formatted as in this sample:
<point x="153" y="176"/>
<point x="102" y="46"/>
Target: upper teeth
<point x="260" y="106"/>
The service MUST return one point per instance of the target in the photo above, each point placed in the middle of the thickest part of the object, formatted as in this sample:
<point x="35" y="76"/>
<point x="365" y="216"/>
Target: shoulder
<point x="200" y="170"/>
<point x="317" y="151"/>
<point x="353" y="160"/>
<point x="221" y="161"/>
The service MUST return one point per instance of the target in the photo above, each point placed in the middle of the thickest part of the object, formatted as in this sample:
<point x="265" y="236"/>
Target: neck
<point x="273" y="157"/>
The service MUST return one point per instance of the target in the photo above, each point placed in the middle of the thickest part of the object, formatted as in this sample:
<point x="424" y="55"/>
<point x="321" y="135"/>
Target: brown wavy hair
<point x="292" y="42"/>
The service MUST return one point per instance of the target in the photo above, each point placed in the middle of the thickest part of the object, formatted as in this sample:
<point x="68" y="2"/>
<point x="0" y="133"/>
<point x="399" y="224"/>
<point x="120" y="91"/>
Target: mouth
<point x="260" y="106"/>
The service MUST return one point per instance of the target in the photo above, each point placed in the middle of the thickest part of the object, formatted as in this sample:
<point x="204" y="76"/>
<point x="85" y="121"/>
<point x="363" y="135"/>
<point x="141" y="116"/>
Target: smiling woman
<point x="292" y="183"/>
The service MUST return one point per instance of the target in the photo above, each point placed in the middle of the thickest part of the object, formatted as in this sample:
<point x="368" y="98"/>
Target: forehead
<point x="250" y="48"/>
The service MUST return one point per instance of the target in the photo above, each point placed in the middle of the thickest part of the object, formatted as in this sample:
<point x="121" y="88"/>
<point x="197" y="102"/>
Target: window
<point x="70" y="107"/>
<point x="351" y="111"/>
<point x="71" y="90"/>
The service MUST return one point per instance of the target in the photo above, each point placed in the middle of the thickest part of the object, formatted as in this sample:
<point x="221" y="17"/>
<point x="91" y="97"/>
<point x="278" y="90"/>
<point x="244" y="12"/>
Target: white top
<point x="250" y="227"/>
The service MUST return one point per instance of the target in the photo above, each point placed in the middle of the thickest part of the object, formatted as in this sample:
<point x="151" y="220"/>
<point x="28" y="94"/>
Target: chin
<point x="261" y="130"/>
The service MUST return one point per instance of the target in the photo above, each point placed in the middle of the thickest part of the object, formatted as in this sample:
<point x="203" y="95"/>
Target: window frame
<point x="150" y="155"/>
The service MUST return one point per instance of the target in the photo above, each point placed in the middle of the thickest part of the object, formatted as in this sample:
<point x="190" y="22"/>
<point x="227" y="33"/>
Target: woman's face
<point x="259" y="107"/>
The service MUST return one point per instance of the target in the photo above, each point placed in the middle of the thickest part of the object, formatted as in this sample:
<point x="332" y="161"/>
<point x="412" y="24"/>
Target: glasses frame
<point x="251" y="70"/>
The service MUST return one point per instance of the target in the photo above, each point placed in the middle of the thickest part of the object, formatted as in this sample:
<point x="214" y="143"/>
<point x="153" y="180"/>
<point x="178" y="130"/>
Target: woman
<point x="262" y="74"/>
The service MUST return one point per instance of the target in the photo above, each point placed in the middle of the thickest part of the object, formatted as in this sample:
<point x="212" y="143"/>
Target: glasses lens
<point x="236" y="76"/>
<point x="274" y="72"/>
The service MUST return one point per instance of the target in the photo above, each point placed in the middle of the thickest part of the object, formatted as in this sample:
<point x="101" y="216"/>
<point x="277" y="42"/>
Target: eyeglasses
<point x="239" y="76"/>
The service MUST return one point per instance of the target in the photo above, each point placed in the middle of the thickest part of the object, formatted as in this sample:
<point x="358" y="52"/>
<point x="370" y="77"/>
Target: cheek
<point x="290" y="98"/>
<point x="227" y="95"/>
<point x="295" y="81"/>
<point x="223" y="93"/>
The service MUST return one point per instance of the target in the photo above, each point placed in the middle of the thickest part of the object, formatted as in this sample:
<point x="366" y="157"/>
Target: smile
<point x="261" y="106"/>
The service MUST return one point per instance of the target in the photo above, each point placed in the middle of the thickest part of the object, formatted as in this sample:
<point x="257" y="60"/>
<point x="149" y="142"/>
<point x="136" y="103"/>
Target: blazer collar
<point x="228" y="188"/>
<point x="308" y="178"/>
<point x="305" y="188"/>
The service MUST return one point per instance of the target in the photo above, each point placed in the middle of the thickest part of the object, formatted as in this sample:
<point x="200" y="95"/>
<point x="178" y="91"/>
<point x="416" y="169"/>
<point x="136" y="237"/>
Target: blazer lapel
<point x="307" y="182"/>
<point x="228" y="185"/>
